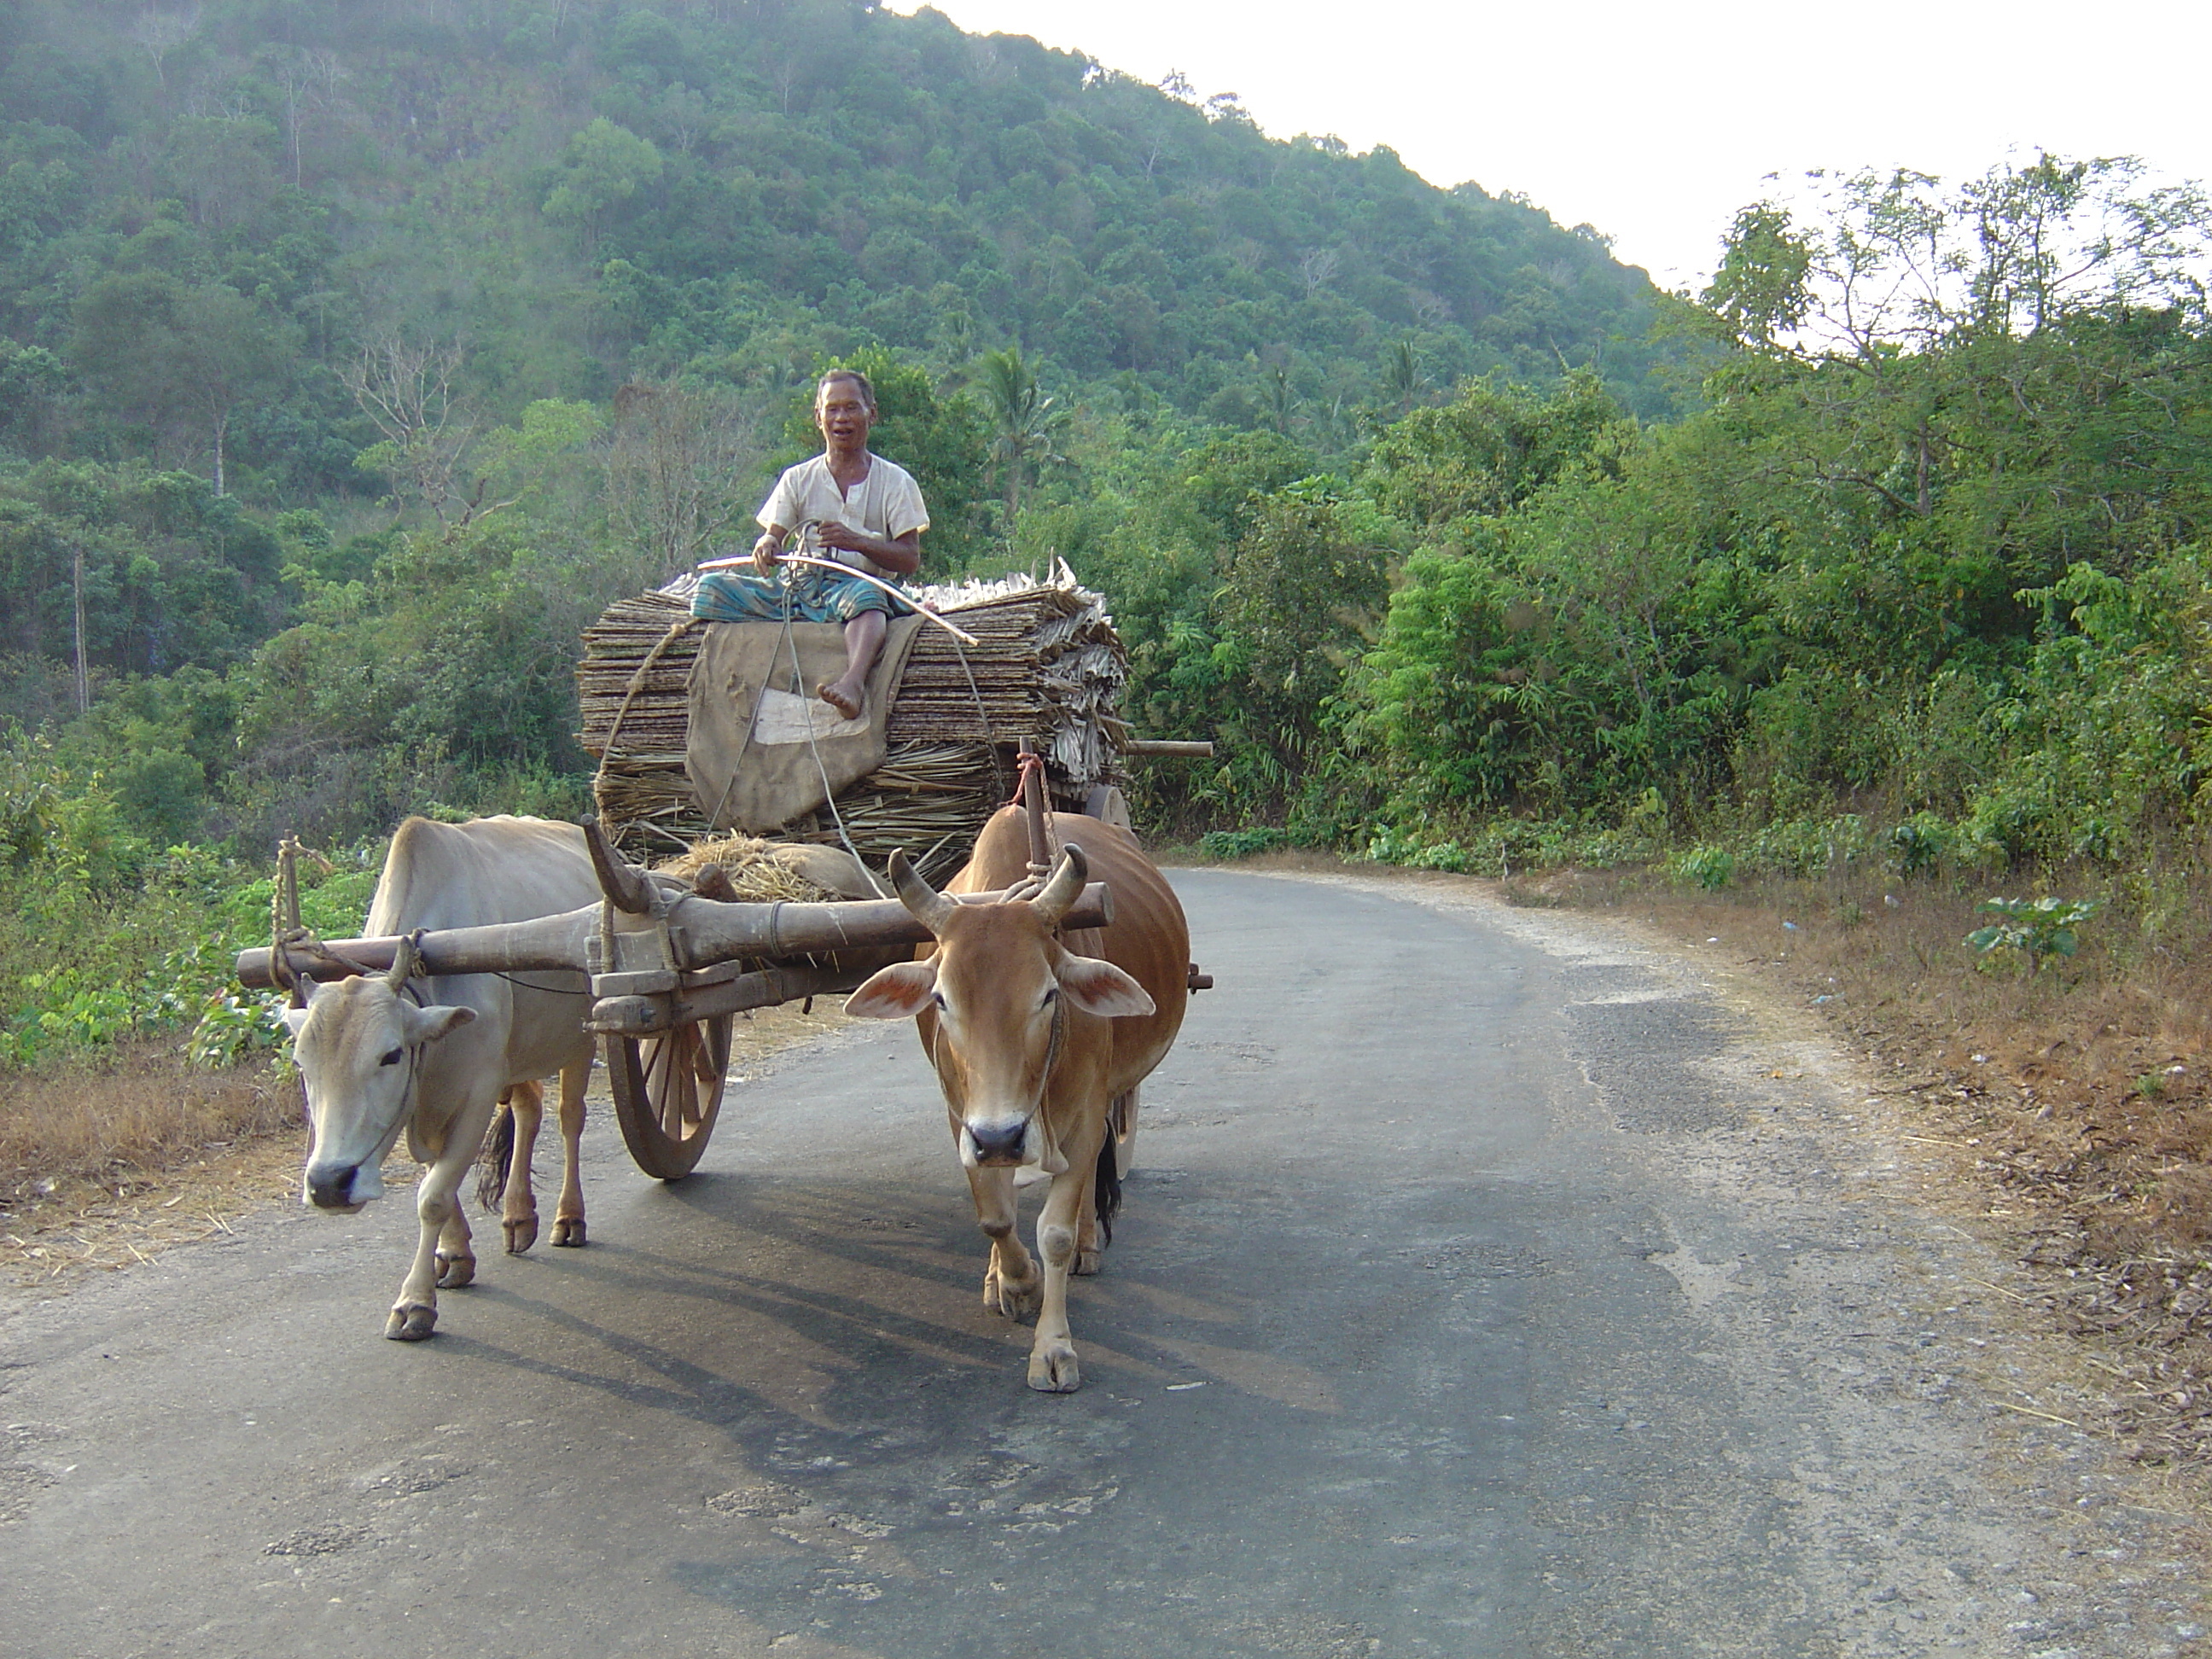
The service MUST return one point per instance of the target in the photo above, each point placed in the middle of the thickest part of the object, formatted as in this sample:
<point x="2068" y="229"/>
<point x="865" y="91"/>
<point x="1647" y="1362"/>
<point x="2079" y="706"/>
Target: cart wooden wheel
<point x="1122" y="1125"/>
<point x="1105" y="803"/>
<point x="667" y="1092"/>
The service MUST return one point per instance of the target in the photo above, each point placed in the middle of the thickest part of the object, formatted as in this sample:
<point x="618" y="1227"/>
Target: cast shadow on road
<point x="828" y="1343"/>
<point x="807" y="1300"/>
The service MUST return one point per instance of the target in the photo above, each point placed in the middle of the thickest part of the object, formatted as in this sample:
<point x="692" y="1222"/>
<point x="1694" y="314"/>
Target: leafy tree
<point x="604" y="165"/>
<point x="180" y="358"/>
<point x="1304" y="591"/>
<point x="1490" y="449"/>
<point x="32" y="382"/>
<point x="1405" y="383"/>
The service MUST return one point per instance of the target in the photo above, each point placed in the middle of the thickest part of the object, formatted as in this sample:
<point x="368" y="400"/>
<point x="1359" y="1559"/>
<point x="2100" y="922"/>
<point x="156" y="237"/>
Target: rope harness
<point x="1043" y="849"/>
<point x="410" y="954"/>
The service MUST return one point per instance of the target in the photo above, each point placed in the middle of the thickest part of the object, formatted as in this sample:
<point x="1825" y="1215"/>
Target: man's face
<point x="843" y="414"/>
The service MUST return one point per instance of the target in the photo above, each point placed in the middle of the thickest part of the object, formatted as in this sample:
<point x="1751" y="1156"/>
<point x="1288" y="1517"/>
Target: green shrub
<point x="1389" y="846"/>
<point x="2039" y="928"/>
<point x="1918" y="843"/>
<point x="1807" y="846"/>
<point x="1243" y="843"/>
<point x="1709" y="867"/>
<point x="235" y="1025"/>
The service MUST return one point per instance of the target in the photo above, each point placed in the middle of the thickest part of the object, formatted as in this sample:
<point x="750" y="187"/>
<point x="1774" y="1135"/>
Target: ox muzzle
<point x="343" y="1187"/>
<point x="996" y="1145"/>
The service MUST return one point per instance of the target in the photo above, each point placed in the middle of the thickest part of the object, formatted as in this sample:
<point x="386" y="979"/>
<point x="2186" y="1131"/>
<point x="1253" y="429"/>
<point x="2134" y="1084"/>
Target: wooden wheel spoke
<point x="677" y="1105"/>
<point x="668" y="1092"/>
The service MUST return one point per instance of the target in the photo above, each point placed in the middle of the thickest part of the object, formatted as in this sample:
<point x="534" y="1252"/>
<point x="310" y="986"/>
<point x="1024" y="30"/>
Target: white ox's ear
<point x="296" y="1017"/>
<point x="421" y="1025"/>
<point x="1100" y="987"/>
<point x="898" y="991"/>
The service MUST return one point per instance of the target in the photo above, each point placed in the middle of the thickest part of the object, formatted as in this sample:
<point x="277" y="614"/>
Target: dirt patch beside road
<point x="107" y="1168"/>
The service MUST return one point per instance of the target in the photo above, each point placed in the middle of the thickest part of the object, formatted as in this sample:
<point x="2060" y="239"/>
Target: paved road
<point x="1472" y="1300"/>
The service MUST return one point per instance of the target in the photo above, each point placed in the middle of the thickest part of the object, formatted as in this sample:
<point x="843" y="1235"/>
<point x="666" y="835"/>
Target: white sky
<point x="1656" y="123"/>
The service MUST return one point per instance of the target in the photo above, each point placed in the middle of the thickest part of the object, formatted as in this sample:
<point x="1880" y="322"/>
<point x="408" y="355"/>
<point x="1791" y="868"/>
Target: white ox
<point x="1033" y="1037"/>
<point x="380" y="1054"/>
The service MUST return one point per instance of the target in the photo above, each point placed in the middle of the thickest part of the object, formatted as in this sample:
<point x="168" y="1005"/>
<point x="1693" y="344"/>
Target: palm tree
<point x="1404" y="384"/>
<point x="1025" y="426"/>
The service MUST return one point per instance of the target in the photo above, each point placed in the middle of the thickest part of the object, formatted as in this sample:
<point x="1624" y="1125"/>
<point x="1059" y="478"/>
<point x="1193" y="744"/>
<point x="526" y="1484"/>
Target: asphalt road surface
<point x="1482" y="1291"/>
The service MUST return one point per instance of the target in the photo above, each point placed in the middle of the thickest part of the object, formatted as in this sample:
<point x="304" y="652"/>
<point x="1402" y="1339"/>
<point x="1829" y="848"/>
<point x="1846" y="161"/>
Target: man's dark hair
<point x="867" y="390"/>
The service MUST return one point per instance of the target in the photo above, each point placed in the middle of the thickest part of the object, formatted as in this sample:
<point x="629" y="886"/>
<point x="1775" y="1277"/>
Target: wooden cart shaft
<point x="709" y="932"/>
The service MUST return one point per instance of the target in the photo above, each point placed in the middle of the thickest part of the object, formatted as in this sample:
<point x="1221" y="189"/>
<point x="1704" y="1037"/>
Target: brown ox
<point x="1032" y="1037"/>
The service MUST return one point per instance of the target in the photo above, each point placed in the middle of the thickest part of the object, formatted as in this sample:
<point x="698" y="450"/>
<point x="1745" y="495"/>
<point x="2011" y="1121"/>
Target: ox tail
<point x="498" y="1153"/>
<point x="1107" y="1187"/>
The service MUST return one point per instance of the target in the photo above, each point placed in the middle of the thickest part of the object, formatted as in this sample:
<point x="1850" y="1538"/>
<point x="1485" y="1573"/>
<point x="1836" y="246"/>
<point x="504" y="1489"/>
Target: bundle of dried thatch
<point x="750" y="871"/>
<point x="1050" y="667"/>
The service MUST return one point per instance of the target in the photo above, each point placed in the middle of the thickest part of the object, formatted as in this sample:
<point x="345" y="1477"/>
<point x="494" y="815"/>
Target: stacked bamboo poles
<point x="1049" y="667"/>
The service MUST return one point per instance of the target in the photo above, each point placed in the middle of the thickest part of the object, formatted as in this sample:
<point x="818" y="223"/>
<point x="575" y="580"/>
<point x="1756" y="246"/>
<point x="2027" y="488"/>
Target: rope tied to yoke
<point x="1027" y="763"/>
<point x="286" y="932"/>
<point x="1032" y="776"/>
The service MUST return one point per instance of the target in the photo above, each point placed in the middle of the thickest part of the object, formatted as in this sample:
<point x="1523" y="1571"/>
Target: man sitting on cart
<point x="847" y="506"/>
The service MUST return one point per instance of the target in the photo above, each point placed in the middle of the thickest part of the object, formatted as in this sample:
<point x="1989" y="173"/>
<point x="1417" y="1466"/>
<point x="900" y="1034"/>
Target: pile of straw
<point x="753" y="872"/>
<point x="1050" y="667"/>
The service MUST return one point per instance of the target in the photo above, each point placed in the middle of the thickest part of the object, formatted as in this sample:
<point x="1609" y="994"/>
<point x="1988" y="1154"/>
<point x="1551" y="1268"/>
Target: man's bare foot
<point x="850" y="704"/>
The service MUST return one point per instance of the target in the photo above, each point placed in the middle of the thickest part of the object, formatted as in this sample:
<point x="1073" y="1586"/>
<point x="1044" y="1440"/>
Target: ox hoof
<point x="411" y="1323"/>
<point x="1019" y="1300"/>
<point x="567" y="1234"/>
<point x="522" y="1234"/>
<point x="455" y="1271"/>
<point x="1054" y="1370"/>
<point x="1086" y="1262"/>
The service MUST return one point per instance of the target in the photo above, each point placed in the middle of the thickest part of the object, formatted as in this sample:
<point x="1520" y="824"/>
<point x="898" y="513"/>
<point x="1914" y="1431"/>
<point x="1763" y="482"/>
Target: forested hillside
<point x="352" y="357"/>
<point x="309" y="312"/>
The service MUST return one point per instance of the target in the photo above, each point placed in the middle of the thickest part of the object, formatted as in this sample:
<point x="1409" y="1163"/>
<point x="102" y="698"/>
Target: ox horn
<point x="929" y="907"/>
<point x="1065" y="886"/>
<point x="405" y="959"/>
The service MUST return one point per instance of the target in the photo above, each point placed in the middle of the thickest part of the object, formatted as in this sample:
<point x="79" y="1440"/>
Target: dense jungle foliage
<point x="351" y="358"/>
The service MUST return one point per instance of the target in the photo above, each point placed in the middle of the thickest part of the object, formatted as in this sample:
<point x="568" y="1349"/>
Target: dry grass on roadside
<point x="2094" y="1076"/>
<point x="143" y="1148"/>
<point x="144" y="1112"/>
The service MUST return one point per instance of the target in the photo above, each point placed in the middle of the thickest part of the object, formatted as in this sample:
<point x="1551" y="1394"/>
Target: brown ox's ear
<point x="420" y="1025"/>
<point x="898" y="991"/>
<point x="1100" y="987"/>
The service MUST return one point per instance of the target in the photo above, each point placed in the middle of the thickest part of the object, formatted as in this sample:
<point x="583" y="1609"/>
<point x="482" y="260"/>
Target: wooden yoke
<point x="711" y="932"/>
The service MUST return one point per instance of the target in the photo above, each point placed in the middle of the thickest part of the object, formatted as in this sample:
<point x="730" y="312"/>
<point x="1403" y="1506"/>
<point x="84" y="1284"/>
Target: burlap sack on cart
<point x="747" y="747"/>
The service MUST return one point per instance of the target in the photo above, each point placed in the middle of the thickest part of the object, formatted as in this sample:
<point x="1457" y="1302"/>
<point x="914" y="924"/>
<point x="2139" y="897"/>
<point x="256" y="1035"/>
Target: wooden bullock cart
<point x="670" y="966"/>
<point x="669" y="970"/>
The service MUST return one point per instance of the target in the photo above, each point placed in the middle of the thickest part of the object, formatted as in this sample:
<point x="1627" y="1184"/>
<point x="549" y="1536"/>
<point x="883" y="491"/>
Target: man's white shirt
<point x="886" y="503"/>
